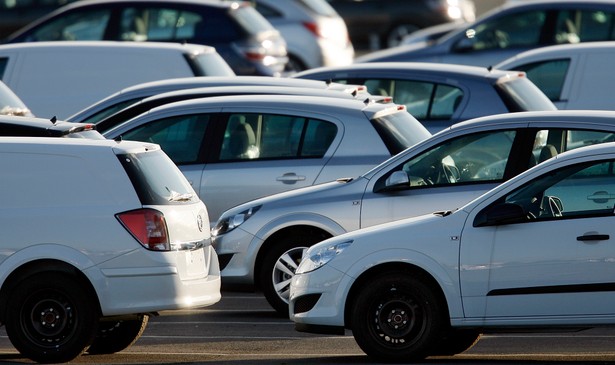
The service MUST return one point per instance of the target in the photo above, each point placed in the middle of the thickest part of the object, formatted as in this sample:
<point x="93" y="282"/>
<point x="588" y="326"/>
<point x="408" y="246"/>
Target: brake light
<point x="312" y="27"/>
<point x="147" y="226"/>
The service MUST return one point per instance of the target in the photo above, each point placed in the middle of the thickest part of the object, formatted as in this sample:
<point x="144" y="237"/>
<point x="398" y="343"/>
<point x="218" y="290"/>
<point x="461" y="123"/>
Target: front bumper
<point x="318" y="299"/>
<point x="237" y="250"/>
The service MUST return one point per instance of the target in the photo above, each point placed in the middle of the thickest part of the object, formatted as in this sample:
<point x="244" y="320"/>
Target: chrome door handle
<point x="290" y="178"/>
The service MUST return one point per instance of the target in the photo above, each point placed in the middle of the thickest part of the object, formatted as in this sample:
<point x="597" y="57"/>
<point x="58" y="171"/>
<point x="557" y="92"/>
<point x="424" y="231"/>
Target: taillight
<point x="312" y="27"/>
<point x="148" y="226"/>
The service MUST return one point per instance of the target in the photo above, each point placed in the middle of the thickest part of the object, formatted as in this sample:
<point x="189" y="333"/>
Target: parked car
<point x="18" y="126"/>
<point x="315" y="34"/>
<point x="146" y="104"/>
<point x="261" y="242"/>
<point x="246" y="40"/>
<point x="131" y="95"/>
<point x="97" y="235"/>
<point x="375" y="24"/>
<point x="573" y="76"/>
<point x="439" y="95"/>
<point x="60" y="78"/>
<point x="510" y="29"/>
<point x="10" y="103"/>
<point x="430" y="285"/>
<point x="237" y="148"/>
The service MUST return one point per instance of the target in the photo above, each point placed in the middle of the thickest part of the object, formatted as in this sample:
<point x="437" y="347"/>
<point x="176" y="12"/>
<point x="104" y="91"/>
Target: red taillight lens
<point x="148" y="226"/>
<point x="312" y="27"/>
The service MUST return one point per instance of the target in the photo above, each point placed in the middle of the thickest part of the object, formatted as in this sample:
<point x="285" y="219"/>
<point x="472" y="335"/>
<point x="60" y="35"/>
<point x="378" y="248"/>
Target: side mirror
<point x="397" y="178"/>
<point x="505" y="213"/>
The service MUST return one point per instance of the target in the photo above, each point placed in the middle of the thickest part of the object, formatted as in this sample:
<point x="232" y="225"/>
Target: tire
<point x="396" y="317"/>
<point x="50" y="317"/>
<point x="280" y="263"/>
<point x="455" y="342"/>
<point x="115" y="336"/>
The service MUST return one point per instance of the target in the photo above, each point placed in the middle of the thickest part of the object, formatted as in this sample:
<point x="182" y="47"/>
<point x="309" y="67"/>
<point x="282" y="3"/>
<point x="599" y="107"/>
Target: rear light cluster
<point x="147" y="226"/>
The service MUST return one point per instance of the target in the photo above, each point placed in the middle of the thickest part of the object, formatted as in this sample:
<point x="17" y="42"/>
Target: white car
<point x="241" y="147"/>
<point x="260" y="243"/>
<point x="534" y="253"/>
<point x="96" y="236"/>
<point x="60" y="78"/>
<point x="573" y="76"/>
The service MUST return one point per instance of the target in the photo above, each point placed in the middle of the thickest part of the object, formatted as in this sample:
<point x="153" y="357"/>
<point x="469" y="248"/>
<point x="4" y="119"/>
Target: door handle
<point x="601" y="197"/>
<point x="593" y="237"/>
<point x="290" y="178"/>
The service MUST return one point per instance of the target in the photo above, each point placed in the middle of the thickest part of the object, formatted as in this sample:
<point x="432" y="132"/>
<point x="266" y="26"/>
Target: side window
<point x="270" y="136"/>
<point x="158" y="24"/>
<point x="549" y="76"/>
<point x="475" y="158"/>
<point x="3" y="62"/>
<point x="267" y="11"/>
<point x="575" y="26"/>
<point x="515" y="30"/>
<point x="179" y="137"/>
<point x="550" y="143"/>
<point x="424" y="100"/>
<point x="77" y="26"/>
<point x="581" y="190"/>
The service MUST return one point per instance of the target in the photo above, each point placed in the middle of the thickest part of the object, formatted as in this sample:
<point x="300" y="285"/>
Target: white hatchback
<point x="536" y="252"/>
<point x="96" y="235"/>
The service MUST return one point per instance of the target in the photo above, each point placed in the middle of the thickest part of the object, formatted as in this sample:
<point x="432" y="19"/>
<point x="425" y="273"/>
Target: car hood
<point x="302" y="196"/>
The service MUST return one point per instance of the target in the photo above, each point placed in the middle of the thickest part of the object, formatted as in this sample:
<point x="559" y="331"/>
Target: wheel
<point x="50" y="318"/>
<point x="280" y="263"/>
<point x="397" y="33"/>
<point x="455" y="342"/>
<point x="396" y="317"/>
<point x="115" y="336"/>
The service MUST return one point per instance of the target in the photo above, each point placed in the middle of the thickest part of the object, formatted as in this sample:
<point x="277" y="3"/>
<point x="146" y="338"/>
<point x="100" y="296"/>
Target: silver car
<point x="237" y="148"/>
<point x="261" y="242"/>
<point x="315" y="34"/>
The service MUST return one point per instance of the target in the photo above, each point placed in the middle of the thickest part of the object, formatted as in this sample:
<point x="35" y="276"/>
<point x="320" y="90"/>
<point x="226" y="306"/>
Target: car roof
<point x="560" y="50"/>
<point x="441" y="69"/>
<point x="39" y="127"/>
<point x="88" y="45"/>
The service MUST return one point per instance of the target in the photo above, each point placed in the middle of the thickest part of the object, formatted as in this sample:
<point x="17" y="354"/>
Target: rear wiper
<point x="177" y="197"/>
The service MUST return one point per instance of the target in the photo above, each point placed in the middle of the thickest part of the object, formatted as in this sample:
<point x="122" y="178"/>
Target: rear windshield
<point x="156" y="179"/>
<point x="520" y="94"/>
<point x="251" y="20"/>
<point x="209" y="64"/>
<point x="399" y="131"/>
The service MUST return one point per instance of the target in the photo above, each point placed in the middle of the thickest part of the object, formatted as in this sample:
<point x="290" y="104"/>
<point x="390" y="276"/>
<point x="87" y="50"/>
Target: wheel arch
<point x="275" y="237"/>
<point x="394" y="267"/>
<point x="41" y="266"/>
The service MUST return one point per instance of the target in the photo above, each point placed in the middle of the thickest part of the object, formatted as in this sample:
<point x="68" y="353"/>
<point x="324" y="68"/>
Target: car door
<point x="557" y="260"/>
<point x="262" y="153"/>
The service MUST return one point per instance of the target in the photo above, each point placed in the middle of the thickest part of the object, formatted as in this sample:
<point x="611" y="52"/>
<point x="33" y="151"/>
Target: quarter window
<point x="263" y="136"/>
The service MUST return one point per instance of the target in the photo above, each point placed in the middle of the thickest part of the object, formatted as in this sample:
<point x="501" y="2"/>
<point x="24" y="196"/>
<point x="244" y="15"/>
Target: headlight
<point x="229" y="223"/>
<point x="320" y="255"/>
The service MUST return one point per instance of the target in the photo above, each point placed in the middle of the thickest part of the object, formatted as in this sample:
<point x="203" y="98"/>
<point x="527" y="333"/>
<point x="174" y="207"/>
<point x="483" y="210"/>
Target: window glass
<point x="550" y="143"/>
<point x="210" y="64"/>
<point x="110" y="110"/>
<point x="480" y="157"/>
<point x="320" y="7"/>
<point x="575" y="26"/>
<point x="514" y="30"/>
<point x="251" y="20"/>
<point x="549" y="76"/>
<point x="88" y="24"/>
<point x="158" y="24"/>
<point x="3" y="63"/>
<point x="575" y="191"/>
<point x="424" y="100"/>
<point x="520" y="94"/>
<point x="180" y="137"/>
<point x="267" y="11"/>
<point x="270" y="136"/>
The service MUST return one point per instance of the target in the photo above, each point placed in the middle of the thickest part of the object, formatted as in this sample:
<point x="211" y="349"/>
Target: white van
<point x="573" y="76"/>
<point x="96" y="235"/>
<point x="61" y="78"/>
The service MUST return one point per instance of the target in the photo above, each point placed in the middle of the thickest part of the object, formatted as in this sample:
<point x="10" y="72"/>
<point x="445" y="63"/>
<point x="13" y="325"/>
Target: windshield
<point x="156" y="179"/>
<point x="520" y="94"/>
<point x="399" y="131"/>
<point x="251" y="20"/>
